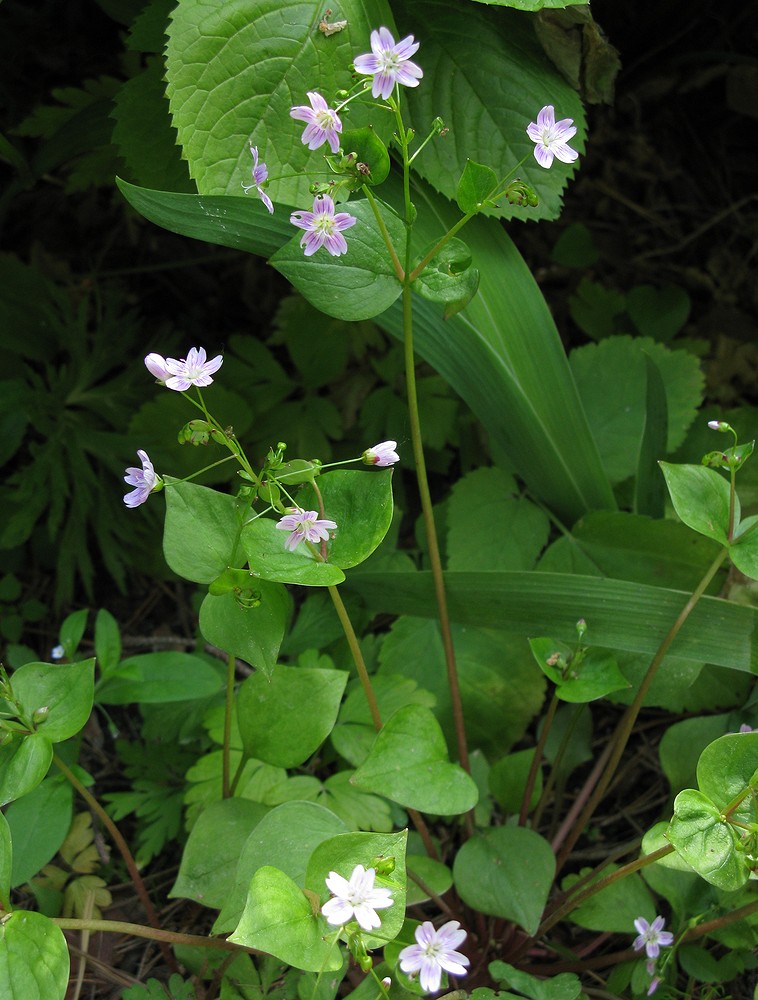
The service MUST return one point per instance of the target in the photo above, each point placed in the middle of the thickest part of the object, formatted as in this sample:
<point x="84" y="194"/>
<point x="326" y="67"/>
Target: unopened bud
<point x="386" y="982"/>
<point x="40" y="714"/>
<point x="581" y="627"/>
<point x="438" y="126"/>
<point x="719" y="425"/>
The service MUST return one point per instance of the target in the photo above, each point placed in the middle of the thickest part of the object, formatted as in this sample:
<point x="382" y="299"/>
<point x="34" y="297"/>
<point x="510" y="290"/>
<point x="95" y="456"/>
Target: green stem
<point x="126" y="854"/>
<point x="399" y="272"/>
<point x="355" y="649"/>
<point x="431" y="530"/>
<point x="626" y="724"/>
<point x="154" y="934"/>
<point x="228" y="710"/>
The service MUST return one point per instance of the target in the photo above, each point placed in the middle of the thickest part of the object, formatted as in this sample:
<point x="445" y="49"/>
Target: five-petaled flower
<point x="382" y="454"/>
<point x="356" y="899"/>
<point x="434" y="951"/>
<point x="182" y="373"/>
<point x="389" y="63"/>
<point x="652" y="937"/>
<point x="260" y="174"/>
<point x="144" y="480"/>
<point x="551" y="137"/>
<point x="323" y="227"/>
<point x="323" y="124"/>
<point x="305" y="524"/>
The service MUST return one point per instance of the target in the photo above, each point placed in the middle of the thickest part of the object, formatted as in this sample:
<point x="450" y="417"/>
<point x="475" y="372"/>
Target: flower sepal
<point x="520" y="193"/>
<point x="196" y="432"/>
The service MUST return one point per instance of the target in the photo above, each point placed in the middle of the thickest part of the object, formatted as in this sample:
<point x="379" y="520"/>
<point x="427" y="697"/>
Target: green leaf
<point x="436" y="876"/>
<point x="701" y="499"/>
<point x="727" y="767"/>
<point x="284" y="719"/>
<point x="201" y="536"/>
<point x="72" y="631"/>
<point x="6" y="862"/>
<point x="24" y="762"/>
<point x="500" y="687"/>
<point x="342" y="853"/>
<point x="648" y="487"/>
<point x="234" y="73"/>
<point x="705" y="842"/>
<point x="565" y="986"/>
<point x="744" y="550"/>
<point x="38" y="823"/>
<point x="507" y="781"/>
<point x="659" y="313"/>
<point x="279" y="919"/>
<point x="481" y="500"/>
<point x="486" y="76"/>
<point x="507" y="873"/>
<point x="241" y="223"/>
<point x="153" y="678"/>
<point x="682" y="744"/>
<point x="252" y="633"/>
<point x="34" y="961"/>
<point x="361" y="504"/>
<point x="408" y="763"/>
<point x="534" y="5"/>
<point x="370" y="150"/>
<point x="263" y="545"/>
<point x="449" y="277"/>
<point x="209" y="862"/>
<point x="622" y="615"/>
<point x="595" y="676"/>
<point x="476" y="185"/>
<point x="357" y="285"/>
<point x="107" y="641"/>
<point x="618" y="419"/>
<point x="66" y="690"/>
<point x="285" y="838"/>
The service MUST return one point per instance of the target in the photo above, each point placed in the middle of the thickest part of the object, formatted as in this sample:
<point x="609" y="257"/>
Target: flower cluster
<point x="357" y="898"/>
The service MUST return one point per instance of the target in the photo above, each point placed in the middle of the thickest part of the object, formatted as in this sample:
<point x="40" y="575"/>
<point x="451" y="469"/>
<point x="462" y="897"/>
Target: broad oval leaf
<point x="263" y="545"/>
<point x="476" y="185"/>
<point x="66" y="690"/>
<point x="202" y="531"/>
<point x="24" y="762"/>
<point x="706" y="842"/>
<point x="155" y="678"/>
<point x="284" y="719"/>
<point x="252" y="633"/>
<point x="408" y="763"/>
<point x="701" y="499"/>
<point x="728" y="770"/>
<point x="506" y="873"/>
<point x="34" y="962"/>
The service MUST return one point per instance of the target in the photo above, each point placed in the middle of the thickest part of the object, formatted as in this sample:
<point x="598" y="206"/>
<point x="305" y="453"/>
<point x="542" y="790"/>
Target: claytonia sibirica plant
<point x="551" y="138"/>
<point x="382" y="454"/>
<point x="305" y="525"/>
<point x="323" y="124"/>
<point x="435" y="952"/>
<point x="144" y="480"/>
<point x="356" y="898"/>
<point x="323" y="227"/>
<point x="260" y="176"/>
<point x="389" y="63"/>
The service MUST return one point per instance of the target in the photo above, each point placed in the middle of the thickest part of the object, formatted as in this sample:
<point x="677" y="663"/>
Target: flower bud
<point x="40" y="714"/>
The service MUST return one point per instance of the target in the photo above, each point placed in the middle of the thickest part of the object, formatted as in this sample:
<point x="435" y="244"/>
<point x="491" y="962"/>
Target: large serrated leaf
<point x="234" y="71"/>
<point x="486" y="76"/>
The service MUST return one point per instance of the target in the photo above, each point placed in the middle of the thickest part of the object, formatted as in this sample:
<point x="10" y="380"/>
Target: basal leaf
<point x="34" y="962"/>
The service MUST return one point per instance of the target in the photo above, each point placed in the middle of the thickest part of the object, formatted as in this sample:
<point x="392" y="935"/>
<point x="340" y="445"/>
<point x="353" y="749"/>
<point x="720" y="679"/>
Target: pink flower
<point x="305" y="524"/>
<point x="323" y="124"/>
<point x="260" y="174"/>
<point x="156" y="365"/>
<point x="389" y="63"/>
<point x="357" y="898"/>
<point x="144" y="479"/>
<point x="323" y="227"/>
<point x="433" y="952"/>
<point x="652" y="937"/>
<point x="381" y="454"/>
<point x="551" y="137"/>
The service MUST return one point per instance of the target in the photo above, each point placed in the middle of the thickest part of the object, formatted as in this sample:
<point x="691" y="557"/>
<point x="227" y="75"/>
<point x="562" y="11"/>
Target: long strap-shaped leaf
<point x="622" y="615"/>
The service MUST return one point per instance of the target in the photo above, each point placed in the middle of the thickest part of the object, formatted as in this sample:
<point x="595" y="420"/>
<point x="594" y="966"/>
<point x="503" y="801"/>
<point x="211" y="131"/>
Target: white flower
<point x="433" y="952"/>
<point x="323" y="227"/>
<point x="355" y="899"/>
<point x="322" y="124"/>
<point x="381" y="454"/>
<point x="652" y="937"/>
<point x="551" y="137"/>
<point x="305" y="524"/>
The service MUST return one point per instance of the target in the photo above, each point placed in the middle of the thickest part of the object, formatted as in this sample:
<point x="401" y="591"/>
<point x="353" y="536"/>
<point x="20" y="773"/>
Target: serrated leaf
<point x="486" y="77"/>
<point x="234" y="71"/>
